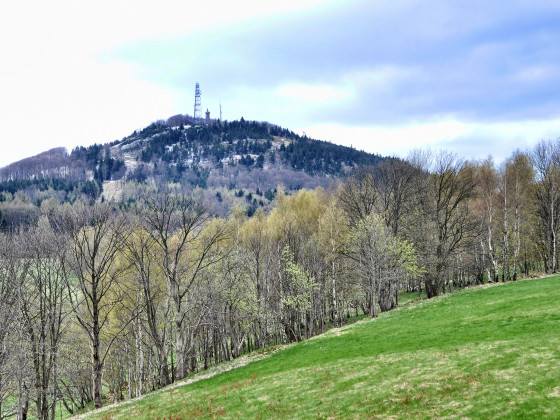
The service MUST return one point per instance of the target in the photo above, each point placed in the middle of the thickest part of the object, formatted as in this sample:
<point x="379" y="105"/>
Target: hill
<point x="244" y="157"/>
<point x="479" y="353"/>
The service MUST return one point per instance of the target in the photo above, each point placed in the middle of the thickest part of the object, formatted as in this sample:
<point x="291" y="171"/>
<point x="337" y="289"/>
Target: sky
<point x="473" y="77"/>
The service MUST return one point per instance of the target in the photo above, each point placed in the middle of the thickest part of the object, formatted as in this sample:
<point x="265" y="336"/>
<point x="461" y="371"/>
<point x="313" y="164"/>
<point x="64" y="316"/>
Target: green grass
<point x="490" y="352"/>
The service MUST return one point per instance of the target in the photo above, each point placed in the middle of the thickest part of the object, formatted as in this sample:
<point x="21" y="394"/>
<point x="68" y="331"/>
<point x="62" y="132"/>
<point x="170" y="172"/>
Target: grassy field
<point x="491" y="352"/>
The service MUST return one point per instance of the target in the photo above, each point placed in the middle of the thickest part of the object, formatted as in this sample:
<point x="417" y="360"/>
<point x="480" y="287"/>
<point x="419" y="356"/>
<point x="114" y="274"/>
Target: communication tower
<point x="197" y="112"/>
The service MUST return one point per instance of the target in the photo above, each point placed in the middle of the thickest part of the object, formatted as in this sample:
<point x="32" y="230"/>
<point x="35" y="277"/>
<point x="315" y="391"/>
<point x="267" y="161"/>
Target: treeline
<point x="165" y="289"/>
<point x="21" y="200"/>
<point x="215" y="141"/>
<point x="314" y="156"/>
<point x="219" y="140"/>
<point x="175" y="151"/>
<point x="130" y="299"/>
<point x="97" y="158"/>
<point x="50" y="164"/>
<point x="57" y="165"/>
<point x="44" y="184"/>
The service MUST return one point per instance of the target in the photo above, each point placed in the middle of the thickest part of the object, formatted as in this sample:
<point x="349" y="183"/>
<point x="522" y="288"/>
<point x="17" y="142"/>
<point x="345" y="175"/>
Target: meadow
<point x="484" y="352"/>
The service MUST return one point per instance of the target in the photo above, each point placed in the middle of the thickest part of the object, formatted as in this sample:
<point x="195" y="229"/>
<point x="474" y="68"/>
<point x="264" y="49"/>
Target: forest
<point x="101" y="302"/>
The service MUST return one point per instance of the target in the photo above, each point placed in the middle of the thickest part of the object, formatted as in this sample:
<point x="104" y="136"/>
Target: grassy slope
<point x="484" y="353"/>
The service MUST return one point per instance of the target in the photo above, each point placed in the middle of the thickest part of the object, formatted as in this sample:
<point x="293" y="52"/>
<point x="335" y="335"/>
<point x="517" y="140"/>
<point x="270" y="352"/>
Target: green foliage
<point x="270" y="194"/>
<point x="157" y="145"/>
<point x="302" y="283"/>
<point x="220" y="140"/>
<point x="314" y="156"/>
<point x="260" y="161"/>
<point x="371" y="236"/>
<point x="90" y="154"/>
<point x="89" y="188"/>
<point x="247" y="160"/>
<point x="97" y="159"/>
<point x="405" y="255"/>
<point x="107" y="168"/>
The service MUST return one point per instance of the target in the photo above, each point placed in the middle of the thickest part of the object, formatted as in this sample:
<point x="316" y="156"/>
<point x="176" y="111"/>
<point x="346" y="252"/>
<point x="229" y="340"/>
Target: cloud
<point x="473" y="140"/>
<point x="410" y="71"/>
<point x="416" y="59"/>
<point x="315" y="95"/>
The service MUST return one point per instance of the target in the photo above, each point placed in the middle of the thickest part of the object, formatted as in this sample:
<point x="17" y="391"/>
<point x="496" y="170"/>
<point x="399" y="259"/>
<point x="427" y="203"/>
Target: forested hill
<point x="238" y="161"/>
<point x="240" y="144"/>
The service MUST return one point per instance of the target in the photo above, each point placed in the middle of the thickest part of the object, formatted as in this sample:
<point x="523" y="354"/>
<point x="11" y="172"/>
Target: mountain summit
<point x="245" y="157"/>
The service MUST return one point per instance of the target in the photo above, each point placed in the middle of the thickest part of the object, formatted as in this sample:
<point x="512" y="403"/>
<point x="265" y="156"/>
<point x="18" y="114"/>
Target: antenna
<point x="197" y="112"/>
<point x="220" y="112"/>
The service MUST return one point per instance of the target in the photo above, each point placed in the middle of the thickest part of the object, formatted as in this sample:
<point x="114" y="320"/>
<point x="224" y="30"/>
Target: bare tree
<point x="448" y="222"/>
<point x="398" y="187"/>
<point x="44" y="308"/>
<point x="14" y="269"/>
<point x="358" y="195"/>
<point x="8" y="322"/>
<point x="382" y="262"/>
<point x="141" y="252"/>
<point x="176" y="223"/>
<point x="97" y="234"/>
<point x="253" y="253"/>
<point x="546" y="161"/>
<point x="520" y="177"/>
<point x="487" y="207"/>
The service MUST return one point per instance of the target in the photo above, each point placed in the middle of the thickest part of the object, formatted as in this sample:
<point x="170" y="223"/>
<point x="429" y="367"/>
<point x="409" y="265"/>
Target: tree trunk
<point x="97" y="382"/>
<point x="139" y="361"/>
<point x="433" y="288"/>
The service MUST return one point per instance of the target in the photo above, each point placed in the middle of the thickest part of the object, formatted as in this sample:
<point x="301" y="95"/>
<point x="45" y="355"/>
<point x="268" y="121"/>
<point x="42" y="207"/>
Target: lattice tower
<point x="197" y="110"/>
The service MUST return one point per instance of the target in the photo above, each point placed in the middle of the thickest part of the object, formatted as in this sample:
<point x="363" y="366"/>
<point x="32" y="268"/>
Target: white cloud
<point x="105" y="23"/>
<point x="383" y="77"/>
<point x="59" y="89"/>
<point x="536" y="74"/>
<point x="315" y="95"/>
<point x="468" y="139"/>
<point x="66" y="82"/>
<point x="78" y="103"/>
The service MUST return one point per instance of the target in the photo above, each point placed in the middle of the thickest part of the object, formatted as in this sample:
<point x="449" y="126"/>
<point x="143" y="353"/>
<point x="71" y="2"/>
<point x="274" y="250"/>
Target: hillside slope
<point x="213" y="153"/>
<point x="236" y="163"/>
<point x="481" y="353"/>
